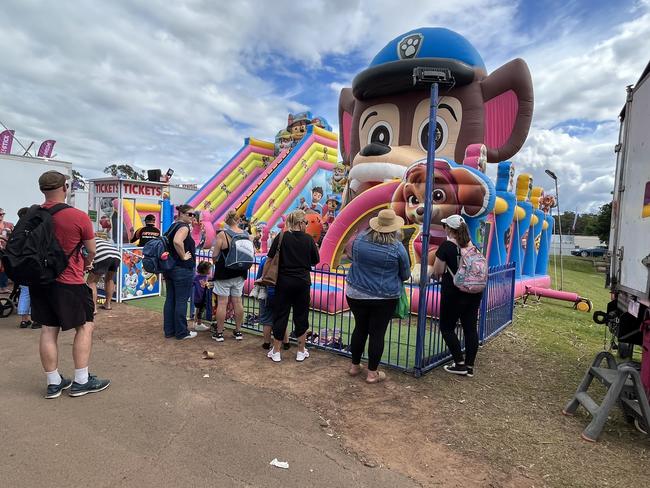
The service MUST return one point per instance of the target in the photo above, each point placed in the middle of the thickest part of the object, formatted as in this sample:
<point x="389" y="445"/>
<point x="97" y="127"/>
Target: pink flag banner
<point x="45" y="151"/>
<point x="6" y="140"/>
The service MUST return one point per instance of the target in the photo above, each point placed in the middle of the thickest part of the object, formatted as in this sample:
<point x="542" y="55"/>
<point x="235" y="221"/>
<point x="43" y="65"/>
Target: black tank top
<point x="220" y="270"/>
<point x="188" y="245"/>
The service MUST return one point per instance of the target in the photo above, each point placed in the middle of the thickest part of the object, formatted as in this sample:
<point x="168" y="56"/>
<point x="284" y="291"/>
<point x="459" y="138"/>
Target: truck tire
<point x="625" y="350"/>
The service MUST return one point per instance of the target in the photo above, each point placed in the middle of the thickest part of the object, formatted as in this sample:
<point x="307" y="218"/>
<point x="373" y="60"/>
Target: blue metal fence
<point x="332" y="322"/>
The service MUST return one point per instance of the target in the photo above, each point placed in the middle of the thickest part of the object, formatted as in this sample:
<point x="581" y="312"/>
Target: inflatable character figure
<point x="384" y="118"/>
<point x="129" y="288"/>
<point x="316" y="122"/>
<point x="522" y="221"/>
<point x="546" y="203"/>
<point x="150" y="280"/>
<point x="316" y="197"/>
<point x="331" y="209"/>
<point x="297" y="126"/>
<point x="457" y="190"/>
<point x="131" y="261"/>
<point x="285" y="140"/>
<point x="339" y="178"/>
<point x="314" y="225"/>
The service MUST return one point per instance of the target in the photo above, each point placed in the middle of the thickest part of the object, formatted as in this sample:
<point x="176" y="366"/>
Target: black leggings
<point x="291" y="293"/>
<point x="371" y="318"/>
<point x="464" y="307"/>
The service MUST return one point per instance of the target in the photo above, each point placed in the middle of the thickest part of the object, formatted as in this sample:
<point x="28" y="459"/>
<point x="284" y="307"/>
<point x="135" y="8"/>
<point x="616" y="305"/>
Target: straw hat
<point x="386" y="221"/>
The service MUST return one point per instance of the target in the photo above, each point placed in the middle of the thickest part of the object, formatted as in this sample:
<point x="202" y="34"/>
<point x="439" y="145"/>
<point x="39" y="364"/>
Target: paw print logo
<point x="409" y="46"/>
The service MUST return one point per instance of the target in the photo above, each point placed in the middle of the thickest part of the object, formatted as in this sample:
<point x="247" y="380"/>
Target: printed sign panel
<point x="135" y="281"/>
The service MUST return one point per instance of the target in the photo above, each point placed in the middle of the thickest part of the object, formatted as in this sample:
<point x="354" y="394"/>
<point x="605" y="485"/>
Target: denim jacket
<point x="378" y="269"/>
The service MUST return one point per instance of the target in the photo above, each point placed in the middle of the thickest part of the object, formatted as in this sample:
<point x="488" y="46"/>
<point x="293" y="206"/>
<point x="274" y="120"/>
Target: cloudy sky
<point x="180" y="84"/>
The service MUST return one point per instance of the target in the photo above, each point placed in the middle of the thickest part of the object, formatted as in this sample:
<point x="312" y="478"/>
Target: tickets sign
<point x="141" y="190"/>
<point x="129" y="190"/>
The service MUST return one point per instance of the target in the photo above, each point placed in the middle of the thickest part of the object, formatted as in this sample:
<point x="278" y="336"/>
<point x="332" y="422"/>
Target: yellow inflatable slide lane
<point x="293" y="178"/>
<point x="234" y="176"/>
<point x="241" y="172"/>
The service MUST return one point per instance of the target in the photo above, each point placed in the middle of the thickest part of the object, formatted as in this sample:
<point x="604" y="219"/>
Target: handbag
<point x="270" y="272"/>
<point x="403" y="307"/>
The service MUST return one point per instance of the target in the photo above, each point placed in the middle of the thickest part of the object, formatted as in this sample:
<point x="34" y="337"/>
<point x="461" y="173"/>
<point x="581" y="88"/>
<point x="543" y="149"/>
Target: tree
<point x="603" y="222"/>
<point x="78" y="182"/>
<point x="124" y="171"/>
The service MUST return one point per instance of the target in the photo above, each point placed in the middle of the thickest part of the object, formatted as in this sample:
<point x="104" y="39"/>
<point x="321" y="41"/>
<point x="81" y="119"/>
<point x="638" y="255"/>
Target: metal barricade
<point x="332" y="322"/>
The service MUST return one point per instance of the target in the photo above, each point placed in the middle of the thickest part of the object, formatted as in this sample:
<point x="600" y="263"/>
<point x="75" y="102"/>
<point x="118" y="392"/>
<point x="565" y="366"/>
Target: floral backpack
<point x="472" y="273"/>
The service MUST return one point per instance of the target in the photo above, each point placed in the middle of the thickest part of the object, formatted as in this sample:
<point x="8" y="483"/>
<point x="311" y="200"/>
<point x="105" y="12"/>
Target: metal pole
<point x="559" y="225"/>
<point x="426" y="224"/>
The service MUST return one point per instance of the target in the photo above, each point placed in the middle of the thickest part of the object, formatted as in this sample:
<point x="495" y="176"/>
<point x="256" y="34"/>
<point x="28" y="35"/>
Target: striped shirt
<point x="105" y="250"/>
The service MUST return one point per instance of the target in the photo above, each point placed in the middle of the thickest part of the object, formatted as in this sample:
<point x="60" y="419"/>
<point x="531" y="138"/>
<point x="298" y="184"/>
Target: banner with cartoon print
<point x="135" y="281"/>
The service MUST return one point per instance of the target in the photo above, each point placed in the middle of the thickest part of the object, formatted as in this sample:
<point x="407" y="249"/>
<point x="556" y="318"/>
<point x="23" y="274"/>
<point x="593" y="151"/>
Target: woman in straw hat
<point x="380" y="265"/>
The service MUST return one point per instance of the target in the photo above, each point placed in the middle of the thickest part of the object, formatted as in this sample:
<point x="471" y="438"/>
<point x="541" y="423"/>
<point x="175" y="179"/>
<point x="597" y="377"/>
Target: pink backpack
<point x="472" y="273"/>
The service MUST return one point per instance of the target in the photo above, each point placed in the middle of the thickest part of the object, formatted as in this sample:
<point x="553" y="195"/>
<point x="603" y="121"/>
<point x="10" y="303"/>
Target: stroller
<point x="9" y="304"/>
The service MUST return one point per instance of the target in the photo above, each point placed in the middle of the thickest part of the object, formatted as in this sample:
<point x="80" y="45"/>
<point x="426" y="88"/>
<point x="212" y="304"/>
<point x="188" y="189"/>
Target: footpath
<point x="159" y="425"/>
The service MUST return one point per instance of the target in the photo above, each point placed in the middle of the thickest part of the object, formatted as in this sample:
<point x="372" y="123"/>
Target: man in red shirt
<point x="67" y="303"/>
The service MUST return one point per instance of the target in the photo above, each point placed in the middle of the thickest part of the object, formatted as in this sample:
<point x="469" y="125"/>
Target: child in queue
<point x="201" y="294"/>
<point x="266" y="311"/>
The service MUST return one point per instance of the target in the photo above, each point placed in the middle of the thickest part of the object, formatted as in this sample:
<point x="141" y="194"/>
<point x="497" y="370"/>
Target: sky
<point x="180" y="84"/>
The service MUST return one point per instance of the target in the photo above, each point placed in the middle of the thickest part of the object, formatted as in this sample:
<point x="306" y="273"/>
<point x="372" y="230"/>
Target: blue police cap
<point x="391" y="70"/>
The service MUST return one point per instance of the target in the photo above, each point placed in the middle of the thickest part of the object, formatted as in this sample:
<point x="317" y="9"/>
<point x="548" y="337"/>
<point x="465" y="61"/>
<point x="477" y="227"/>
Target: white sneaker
<point x="201" y="328"/>
<point x="301" y="356"/>
<point x="274" y="356"/>
<point x="191" y="335"/>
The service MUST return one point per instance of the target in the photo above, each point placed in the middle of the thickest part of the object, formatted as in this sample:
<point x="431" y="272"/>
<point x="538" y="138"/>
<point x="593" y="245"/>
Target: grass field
<point x="555" y="327"/>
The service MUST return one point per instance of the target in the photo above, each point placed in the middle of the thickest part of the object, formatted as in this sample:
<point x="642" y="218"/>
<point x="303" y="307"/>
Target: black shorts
<point x="110" y="264"/>
<point x="61" y="305"/>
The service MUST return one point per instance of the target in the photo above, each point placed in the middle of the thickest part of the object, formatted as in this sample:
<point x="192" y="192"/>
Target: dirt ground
<point x="503" y="428"/>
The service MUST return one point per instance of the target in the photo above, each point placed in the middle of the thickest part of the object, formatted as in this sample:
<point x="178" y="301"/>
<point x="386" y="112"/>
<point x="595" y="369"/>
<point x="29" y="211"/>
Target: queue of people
<point x="375" y="281"/>
<point x="379" y="267"/>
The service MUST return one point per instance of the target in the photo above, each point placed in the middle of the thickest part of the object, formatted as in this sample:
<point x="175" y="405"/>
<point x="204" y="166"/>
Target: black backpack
<point x="33" y="256"/>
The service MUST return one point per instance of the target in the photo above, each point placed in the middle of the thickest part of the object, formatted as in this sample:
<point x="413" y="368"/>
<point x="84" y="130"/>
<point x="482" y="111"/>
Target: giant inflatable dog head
<point x="457" y="190"/>
<point x="384" y="118"/>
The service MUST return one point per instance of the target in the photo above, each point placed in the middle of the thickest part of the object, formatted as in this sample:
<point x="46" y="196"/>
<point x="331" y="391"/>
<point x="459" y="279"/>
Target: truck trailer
<point x="629" y="244"/>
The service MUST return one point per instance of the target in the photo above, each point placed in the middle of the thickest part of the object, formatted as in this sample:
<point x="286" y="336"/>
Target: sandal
<point x="381" y="376"/>
<point x="354" y="371"/>
<point x="104" y="307"/>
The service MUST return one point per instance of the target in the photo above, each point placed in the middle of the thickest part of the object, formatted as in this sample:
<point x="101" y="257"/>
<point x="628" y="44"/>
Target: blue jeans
<point x="23" y="301"/>
<point x="4" y="280"/>
<point x="179" y="287"/>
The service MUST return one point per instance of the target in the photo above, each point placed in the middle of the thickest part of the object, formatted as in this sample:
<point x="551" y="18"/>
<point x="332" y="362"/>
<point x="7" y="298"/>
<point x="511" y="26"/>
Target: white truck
<point x="629" y="245"/>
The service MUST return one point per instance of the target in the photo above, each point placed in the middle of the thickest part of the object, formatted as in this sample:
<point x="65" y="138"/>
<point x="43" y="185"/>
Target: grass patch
<point x="554" y="326"/>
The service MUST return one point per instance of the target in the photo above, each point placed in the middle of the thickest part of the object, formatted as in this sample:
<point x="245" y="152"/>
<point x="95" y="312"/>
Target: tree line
<point x="587" y="224"/>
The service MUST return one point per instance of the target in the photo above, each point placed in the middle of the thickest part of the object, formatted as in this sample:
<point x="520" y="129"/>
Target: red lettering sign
<point x="142" y="189"/>
<point x="106" y="187"/>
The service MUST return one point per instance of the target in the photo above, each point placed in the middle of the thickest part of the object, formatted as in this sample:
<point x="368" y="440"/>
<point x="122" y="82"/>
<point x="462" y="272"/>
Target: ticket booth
<point x="118" y="207"/>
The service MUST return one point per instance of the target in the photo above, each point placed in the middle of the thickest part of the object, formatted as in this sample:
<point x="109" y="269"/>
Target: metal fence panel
<point x="332" y="322"/>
